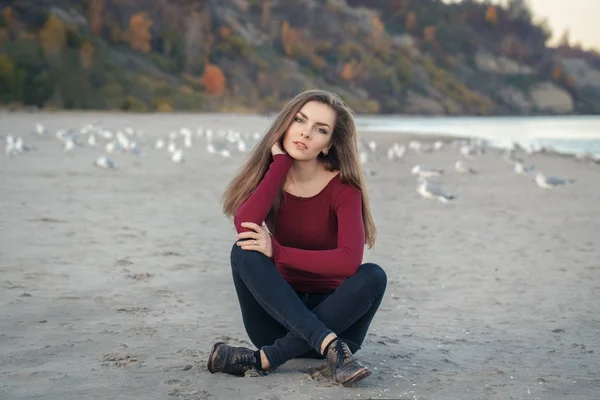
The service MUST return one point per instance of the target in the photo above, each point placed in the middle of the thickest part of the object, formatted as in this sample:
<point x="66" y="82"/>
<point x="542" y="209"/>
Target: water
<point x="570" y="135"/>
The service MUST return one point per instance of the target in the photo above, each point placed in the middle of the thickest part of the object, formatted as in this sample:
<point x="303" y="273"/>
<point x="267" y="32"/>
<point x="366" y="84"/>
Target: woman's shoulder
<point x="343" y="190"/>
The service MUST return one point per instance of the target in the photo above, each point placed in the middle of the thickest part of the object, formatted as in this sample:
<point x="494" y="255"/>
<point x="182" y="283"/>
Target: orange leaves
<point x="411" y="21"/>
<point x="86" y="55"/>
<point x="224" y="32"/>
<point x="53" y="36"/>
<point x="213" y="79"/>
<point x="96" y="10"/>
<point x="429" y="33"/>
<point x="289" y="37"/>
<point x="266" y="13"/>
<point x="557" y="73"/>
<point x="378" y="27"/>
<point x="351" y="70"/>
<point x="491" y="15"/>
<point x="139" y="32"/>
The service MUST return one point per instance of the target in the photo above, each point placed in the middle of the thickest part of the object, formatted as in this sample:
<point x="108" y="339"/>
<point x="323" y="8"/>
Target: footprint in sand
<point x="141" y="276"/>
<point x="118" y="360"/>
<point x="189" y="394"/>
<point x="133" y="309"/>
<point x="168" y="254"/>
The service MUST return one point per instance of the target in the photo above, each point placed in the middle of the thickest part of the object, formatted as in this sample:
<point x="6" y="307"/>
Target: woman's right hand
<point x="276" y="149"/>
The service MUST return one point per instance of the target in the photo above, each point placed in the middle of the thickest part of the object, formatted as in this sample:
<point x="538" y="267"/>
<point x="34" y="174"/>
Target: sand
<point x="115" y="284"/>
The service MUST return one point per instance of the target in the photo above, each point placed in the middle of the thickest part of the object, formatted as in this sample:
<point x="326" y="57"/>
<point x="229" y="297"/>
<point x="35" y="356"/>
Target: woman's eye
<point x="323" y="131"/>
<point x="297" y="119"/>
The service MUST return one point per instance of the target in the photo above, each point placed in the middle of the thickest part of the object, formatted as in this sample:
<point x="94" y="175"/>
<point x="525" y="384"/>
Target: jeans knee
<point x="235" y="253"/>
<point x="375" y="275"/>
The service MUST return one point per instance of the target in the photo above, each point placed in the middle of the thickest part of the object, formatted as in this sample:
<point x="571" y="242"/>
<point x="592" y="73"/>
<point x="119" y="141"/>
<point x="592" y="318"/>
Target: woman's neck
<point x="304" y="171"/>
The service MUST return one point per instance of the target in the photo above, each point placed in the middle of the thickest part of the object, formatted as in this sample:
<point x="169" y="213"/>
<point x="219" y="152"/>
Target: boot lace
<point x="248" y="361"/>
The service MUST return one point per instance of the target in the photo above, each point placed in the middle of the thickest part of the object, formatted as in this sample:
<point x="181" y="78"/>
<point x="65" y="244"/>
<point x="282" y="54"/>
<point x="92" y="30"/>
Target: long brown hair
<point x="342" y="156"/>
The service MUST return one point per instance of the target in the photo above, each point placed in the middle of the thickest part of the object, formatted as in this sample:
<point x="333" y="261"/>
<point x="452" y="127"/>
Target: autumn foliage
<point x="350" y="71"/>
<point x="86" y="55"/>
<point x="429" y="33"/>
<point x="53" y="37"/>
<point x="139" y="32"/>
<point x="96" y="10"/>
<point x="214" y="80"/>
<point x="289" y="36"/>
<point x="491" y="15"/>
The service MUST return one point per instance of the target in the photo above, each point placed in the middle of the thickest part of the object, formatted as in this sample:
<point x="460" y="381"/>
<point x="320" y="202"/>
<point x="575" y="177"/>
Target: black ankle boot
<point x="233" y="360"/>
<point x="344" y="367"/>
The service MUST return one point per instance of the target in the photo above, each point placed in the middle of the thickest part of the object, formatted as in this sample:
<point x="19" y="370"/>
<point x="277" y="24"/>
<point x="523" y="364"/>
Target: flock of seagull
<point x="227" y="142"/>
<point x="467" y="149"/>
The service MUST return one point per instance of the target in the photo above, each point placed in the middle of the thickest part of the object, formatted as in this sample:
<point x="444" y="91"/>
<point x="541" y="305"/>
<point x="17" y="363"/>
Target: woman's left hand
<point x="259" y="239"/>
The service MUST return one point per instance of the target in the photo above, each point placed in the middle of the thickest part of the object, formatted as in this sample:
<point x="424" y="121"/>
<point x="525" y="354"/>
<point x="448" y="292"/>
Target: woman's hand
<point x="276" y="149"/>
<point x="259" y="239"/>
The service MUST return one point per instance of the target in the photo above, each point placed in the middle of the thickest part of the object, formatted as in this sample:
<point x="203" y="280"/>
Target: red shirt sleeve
<point x="342" y="261"/>
<point x="256" y="207"/>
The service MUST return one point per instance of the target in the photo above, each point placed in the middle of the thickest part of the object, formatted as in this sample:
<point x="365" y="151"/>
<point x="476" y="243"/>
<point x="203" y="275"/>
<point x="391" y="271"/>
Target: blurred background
<point x="425" y="57"/>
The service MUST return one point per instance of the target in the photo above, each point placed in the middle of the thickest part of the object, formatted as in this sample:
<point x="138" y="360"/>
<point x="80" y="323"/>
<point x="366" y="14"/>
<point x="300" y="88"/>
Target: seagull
<point x="551" y="182"/>
<point x="396" y="152"/>
<point x="522" y="169"/>
<point x="463" y="168"/>
<point x="11" y="148"/>
<point x="433" y="190"/>
<point x="69" y="145"/>
<point x="40" y="129"/>
<point x="363" y="157"/>
<point x="425" y="171"/>
<point x="177" y="156"/>
<point x="438" y="145"/>
<point x="105" y="162"/>
<point x="225" y="153"/>
<point x="468" y="151"/>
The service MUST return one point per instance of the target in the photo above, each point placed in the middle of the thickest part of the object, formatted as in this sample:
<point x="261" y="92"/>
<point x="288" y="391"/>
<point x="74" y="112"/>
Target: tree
<point x="429" y="33"/>
<point x="491" y="15"/>
<point x="289" y="37"/>
<point x="53" y="38"/>
<point x="213" y="79"/>
<point x="86" y="55"/>
<point x="11" y="80"/>
<point x="266" y="12"/>
<point x="96" y="11"/>
<point x="519" y="9"/>
<point x="411" y="21"/>
<point x="565" y="39"/>
<point x="139" y="32"/>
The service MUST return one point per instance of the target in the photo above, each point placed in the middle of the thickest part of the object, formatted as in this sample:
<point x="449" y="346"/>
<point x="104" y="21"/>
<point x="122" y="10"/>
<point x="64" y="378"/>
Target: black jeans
<point x="286" y="324"/>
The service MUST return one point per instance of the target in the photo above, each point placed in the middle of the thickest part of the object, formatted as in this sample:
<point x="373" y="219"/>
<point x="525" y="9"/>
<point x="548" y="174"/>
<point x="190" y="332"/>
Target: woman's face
<point x="310" y="131"/>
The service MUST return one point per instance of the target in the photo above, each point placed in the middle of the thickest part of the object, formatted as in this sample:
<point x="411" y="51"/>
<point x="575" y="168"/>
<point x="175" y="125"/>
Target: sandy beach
<point x="115" y="284"/>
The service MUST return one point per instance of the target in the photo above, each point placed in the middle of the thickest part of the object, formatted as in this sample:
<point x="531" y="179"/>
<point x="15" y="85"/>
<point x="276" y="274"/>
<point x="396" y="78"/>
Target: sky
<point x="581" y="17"/>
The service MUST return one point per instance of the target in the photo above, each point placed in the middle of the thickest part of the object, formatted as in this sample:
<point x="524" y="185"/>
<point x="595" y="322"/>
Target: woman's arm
<point x="342" y="261"/>
<point x="256" y="207"/>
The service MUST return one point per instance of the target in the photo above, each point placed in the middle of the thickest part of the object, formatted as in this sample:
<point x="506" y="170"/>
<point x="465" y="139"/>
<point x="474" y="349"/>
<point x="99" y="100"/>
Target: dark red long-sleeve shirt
<point x="317" y="241"/>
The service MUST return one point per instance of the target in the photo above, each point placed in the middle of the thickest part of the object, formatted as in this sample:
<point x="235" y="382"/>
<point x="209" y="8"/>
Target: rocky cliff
<point x="396" y="56"/>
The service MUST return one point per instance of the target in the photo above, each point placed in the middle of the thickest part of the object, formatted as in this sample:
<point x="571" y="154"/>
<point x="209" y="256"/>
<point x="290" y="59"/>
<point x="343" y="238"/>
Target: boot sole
<point x="210" y="357"/>
<point x="359" y="376"/>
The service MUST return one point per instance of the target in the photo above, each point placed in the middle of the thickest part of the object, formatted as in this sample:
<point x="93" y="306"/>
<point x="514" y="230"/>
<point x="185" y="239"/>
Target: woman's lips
<point x="301" y="145"/>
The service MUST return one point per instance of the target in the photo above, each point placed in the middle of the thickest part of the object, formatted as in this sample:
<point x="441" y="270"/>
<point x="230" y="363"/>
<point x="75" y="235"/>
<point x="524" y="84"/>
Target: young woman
<point x="299" y="280"/>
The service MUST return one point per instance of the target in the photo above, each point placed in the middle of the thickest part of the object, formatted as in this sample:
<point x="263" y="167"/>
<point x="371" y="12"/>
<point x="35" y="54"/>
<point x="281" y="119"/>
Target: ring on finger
<point x="255" y="242"/>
